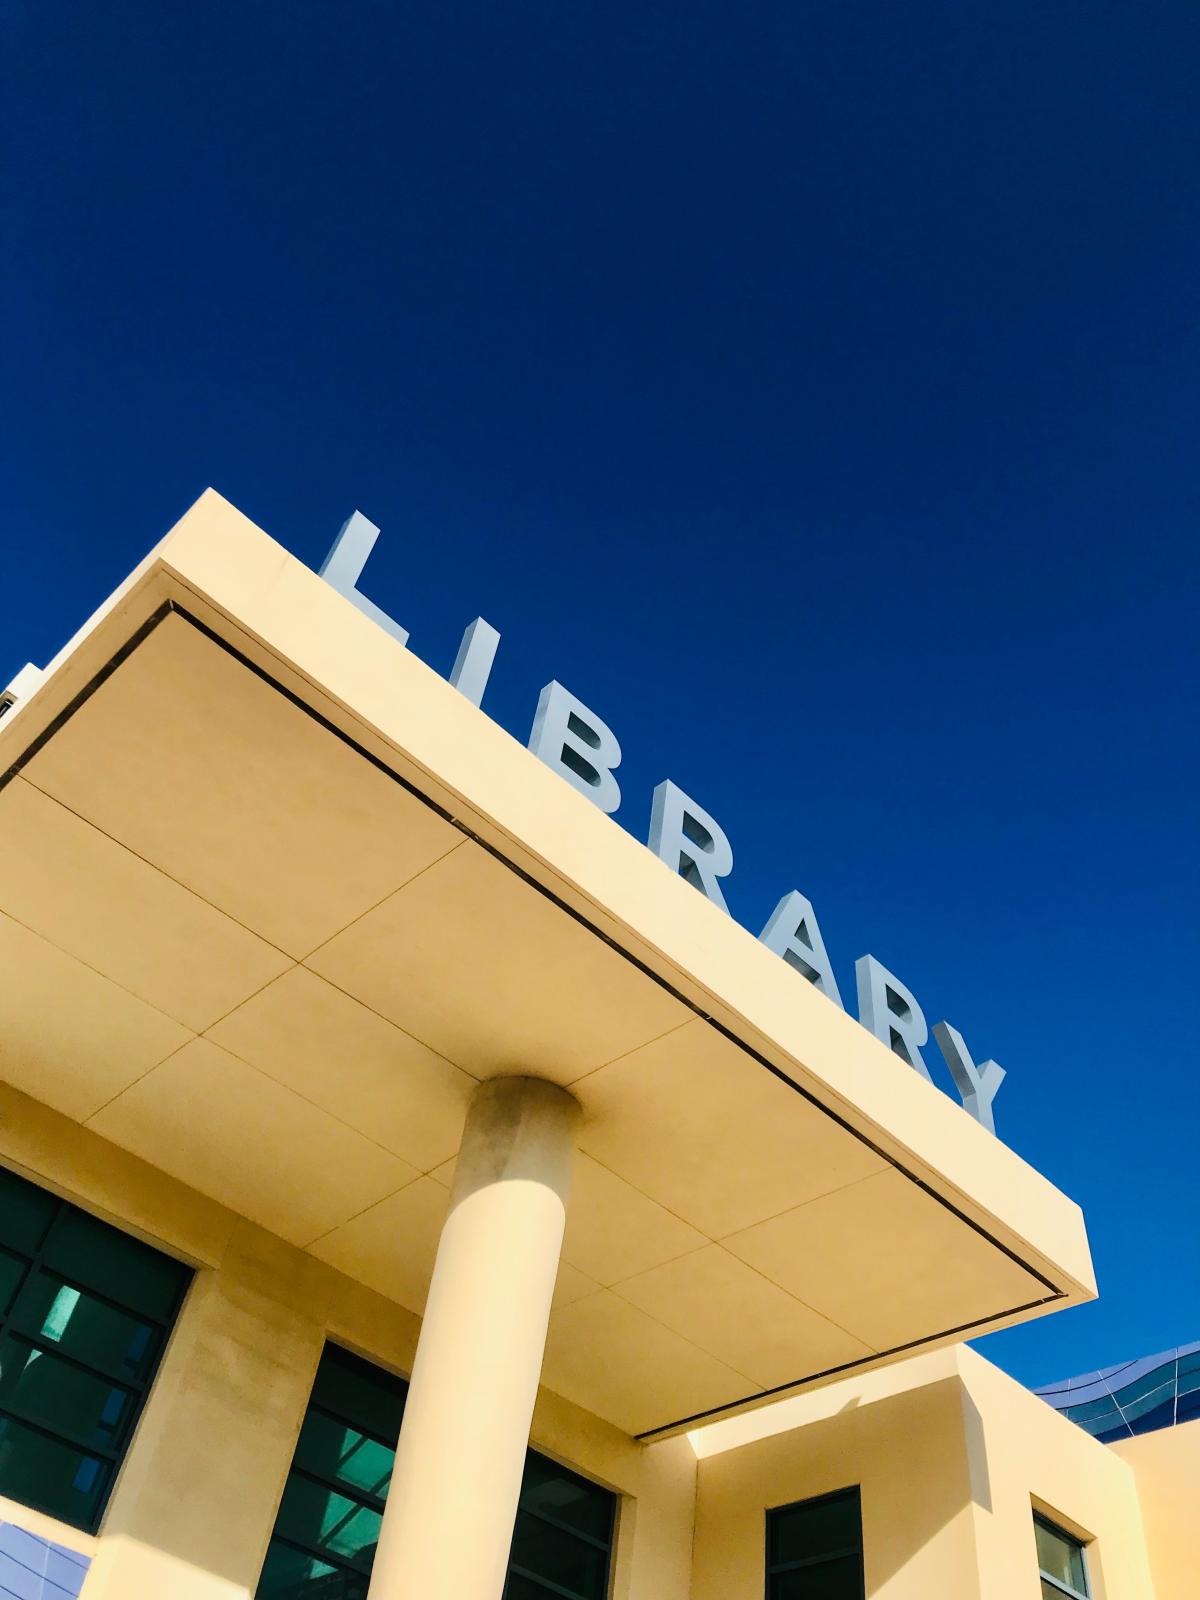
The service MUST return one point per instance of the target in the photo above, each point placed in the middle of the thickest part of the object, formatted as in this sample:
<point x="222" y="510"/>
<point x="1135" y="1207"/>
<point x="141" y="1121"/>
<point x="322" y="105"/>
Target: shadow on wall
<point x="919" y="1476"/>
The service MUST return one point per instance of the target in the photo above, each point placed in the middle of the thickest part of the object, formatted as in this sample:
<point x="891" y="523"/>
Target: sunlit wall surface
<point x="1133" y="1397"/>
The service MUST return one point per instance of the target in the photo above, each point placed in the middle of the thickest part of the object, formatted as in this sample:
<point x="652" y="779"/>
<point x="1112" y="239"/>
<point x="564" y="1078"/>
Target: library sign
<point x="577" y="744"/>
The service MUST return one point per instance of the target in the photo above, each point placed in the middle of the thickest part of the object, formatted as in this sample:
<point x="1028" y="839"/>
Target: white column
<point x="453" y="1496"/>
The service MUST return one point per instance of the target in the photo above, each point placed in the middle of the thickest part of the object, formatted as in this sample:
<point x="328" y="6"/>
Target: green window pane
<point x="82" y="1326"/>
<point x="11" y="1273"/>
<point x="824" y="1527"/>
<point x="291" y="1575"/>
<point x="359" y="1393"/>
<point x="827" y="1580"/>
<point x="328" y="1522"/>
<point x="89" y="1252"/>
<point x="335" y="1450"/>
<point x="53" y="1477"/>
<point x="41" y="1388"/>
<point x="562" y="1558"/>
<point x="25" y="1212"/>
<point x="1060" y="1556"/>
<point x="567" y="1498"/>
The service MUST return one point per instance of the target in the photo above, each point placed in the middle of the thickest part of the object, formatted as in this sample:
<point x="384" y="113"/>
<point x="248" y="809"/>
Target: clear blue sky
<point x="813" y="388"/>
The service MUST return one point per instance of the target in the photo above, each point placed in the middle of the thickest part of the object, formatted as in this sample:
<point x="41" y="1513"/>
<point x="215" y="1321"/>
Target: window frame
<point x="607" y="1547"/>
<point x="363" y="1497"/>
<point x="781" y="1568"/>
<point x="1081" y="1545"/>
<point x="34" y="1262"/>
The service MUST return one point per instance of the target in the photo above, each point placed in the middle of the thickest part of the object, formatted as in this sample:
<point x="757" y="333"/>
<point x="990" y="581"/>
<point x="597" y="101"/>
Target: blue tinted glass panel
<point x="1161" y="1377"/>
<point x="1162" y="1416"/>
<point x="1151" y="1401"/>
<point x="1101" y="1411"/>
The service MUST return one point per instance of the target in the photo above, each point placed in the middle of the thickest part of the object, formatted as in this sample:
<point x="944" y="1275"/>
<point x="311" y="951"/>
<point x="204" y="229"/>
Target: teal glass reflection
<point x="38" y="1387"/>
<point x="80" y="1325"/>
<point x="329" y="1520"/>
<point x="78" y="1348"/>
<point x="334" y="1450"/>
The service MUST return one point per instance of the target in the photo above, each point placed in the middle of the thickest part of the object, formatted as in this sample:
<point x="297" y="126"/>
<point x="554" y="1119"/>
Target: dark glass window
<point x="1061" y="1562"/>
<point x="84" y="1315"/>
<point x="328" y="1523"/>
<point x="815" y="1549"/>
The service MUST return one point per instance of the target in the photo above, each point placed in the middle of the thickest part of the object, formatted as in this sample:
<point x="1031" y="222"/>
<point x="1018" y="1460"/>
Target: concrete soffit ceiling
<point x="274" y="897"/>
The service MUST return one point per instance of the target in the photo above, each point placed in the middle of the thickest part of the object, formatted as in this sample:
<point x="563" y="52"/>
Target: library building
<point x="413" y="1188"/>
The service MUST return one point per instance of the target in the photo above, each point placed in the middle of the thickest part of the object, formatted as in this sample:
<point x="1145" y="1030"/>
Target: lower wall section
<point x="1166" y="1468"/>
<point x="903" y="1450"/>
<point x="34" y="1568"/>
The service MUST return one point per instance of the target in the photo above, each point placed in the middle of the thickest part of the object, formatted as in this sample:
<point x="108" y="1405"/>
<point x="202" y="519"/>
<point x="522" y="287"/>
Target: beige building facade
<point x="409" y="1186"/>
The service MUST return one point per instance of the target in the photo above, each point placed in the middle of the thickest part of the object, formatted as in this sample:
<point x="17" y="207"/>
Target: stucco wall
<point x="1023" y="1452"/>
<point x="1166" y="1468"/>
<point x="905" y="1450"/>
<point x="951" y="1456"/>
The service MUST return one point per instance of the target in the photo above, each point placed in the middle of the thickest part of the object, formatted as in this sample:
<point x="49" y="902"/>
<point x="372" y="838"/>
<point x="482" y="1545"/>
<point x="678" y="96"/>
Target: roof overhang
<point x="273" y="895"/>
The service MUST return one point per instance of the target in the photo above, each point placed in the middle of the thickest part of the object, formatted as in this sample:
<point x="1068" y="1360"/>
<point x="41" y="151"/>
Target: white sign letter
<point x="473" y="665"/>
<point x="21" y="687"/>
<point x="889" y="1011"/>
<point x="684" y="836"/>
<point x="976" y="1085"/>
<point x="793" y="933"/>
<point x="343" y="567"/>
<point x="577" y="745"/>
